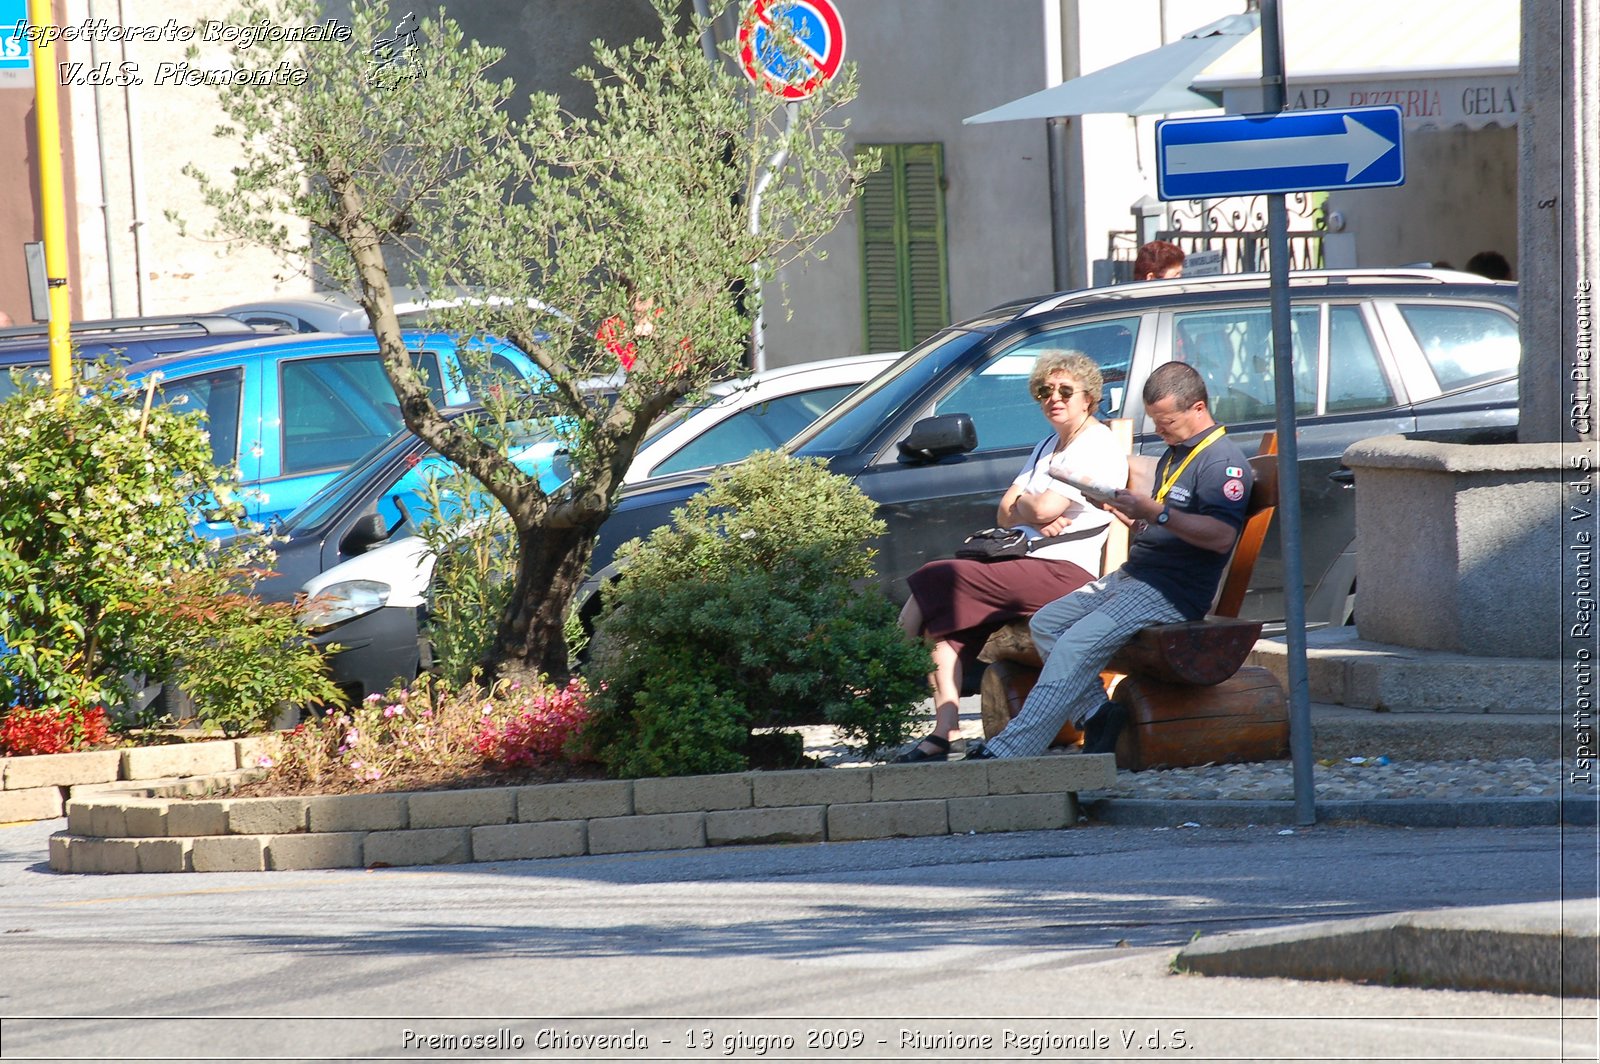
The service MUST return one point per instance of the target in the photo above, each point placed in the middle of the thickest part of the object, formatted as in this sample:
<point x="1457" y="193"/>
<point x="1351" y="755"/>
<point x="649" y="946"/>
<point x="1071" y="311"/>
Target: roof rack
<point x="203" y="323"/>
<point x="1233" y="281"/>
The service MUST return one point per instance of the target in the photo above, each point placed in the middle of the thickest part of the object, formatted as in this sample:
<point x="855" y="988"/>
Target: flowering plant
<point x="51" y="730"/>
<point x="413" y="736"/>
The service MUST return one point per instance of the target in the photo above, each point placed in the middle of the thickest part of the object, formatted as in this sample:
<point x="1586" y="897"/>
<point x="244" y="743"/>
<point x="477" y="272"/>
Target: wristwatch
<point x="1164" y="516"/>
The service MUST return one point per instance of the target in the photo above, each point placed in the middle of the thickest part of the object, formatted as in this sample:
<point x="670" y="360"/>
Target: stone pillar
<point x="1461" y="547"/>
<point x="1558" y="246"/>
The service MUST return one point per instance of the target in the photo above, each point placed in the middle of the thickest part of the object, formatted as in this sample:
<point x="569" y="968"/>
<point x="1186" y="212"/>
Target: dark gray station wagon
<point x="1420" y="352"/>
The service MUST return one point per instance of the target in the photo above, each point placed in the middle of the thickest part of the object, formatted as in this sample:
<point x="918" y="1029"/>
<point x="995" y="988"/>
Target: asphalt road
<point x="1037" y="946"/>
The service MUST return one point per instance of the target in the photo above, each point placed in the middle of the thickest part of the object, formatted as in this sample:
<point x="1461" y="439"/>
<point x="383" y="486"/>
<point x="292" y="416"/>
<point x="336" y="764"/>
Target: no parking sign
<point x="818" y="32"/>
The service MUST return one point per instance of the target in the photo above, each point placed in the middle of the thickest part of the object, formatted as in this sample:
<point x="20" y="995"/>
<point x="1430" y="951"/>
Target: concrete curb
<point x="110" y="830"/>
<point x="1544" y="948"/>
<point x="1388" y="812"/>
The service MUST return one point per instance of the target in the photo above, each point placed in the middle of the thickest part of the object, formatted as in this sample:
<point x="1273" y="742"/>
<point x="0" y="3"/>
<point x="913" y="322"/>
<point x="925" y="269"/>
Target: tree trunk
<point x="551" y="563"/>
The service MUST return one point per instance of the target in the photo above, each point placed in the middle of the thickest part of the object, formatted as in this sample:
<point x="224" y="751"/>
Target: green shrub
<point x="741" y="615"/>
<point x="102" y="576"/>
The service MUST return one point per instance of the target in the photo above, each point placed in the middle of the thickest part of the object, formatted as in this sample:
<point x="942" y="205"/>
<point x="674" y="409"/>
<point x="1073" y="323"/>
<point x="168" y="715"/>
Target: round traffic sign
<point x="818" y="34"/>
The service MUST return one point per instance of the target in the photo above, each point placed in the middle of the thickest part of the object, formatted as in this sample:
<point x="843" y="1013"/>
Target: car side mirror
<point x="938" y="437"/>
<point x="368" y="531"/>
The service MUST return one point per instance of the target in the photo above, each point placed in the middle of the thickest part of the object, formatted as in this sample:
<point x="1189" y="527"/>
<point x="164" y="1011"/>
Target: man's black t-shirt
<point x="1215" y="483"/>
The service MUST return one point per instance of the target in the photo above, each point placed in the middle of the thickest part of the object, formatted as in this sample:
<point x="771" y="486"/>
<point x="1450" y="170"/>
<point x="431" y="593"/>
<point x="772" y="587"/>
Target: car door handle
<point x="1344" y="477"/>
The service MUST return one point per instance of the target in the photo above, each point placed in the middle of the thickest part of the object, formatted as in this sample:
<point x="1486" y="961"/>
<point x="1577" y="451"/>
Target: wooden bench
<point x="1190" y="701"/>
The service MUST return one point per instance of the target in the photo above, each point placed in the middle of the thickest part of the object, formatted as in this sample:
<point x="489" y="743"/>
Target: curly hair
<point x="1075" y="364"/>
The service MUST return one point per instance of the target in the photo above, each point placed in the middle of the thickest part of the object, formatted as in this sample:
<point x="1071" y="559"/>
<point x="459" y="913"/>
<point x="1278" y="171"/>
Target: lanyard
<point x="1168" y="482"/>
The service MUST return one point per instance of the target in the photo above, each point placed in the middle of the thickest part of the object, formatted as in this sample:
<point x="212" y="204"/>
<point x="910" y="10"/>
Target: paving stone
<point x="882" y="820"/>
<point x="356" y="812"/>
<point x="197" y="818"/>
<point x="661" y="831"/>
<point x="1059" y="772"/>
<point x="164" y="855"/>
<point x="780" y="824"/>
<point x="80" y="816"/>
<point x="179" y="759"/>
<point x="104" y="856"/>
<point x="145" y="818"/>
<point x="61" y="770"/>
<point x="445" y="809"/>
<point x="1012" y="812"/>
<point x="519" y="842"/>
<point x="33" y="803"/>
<point x="332" y="849"/>
<point x="583" y="800"/>
<point x="820" y="786"/>
<point x="899" y="783"/>
<point x="109" y="819"/>
<point x="429" y="846"/>
<point x="230" y="853"/>
<point x="685" y="794"/>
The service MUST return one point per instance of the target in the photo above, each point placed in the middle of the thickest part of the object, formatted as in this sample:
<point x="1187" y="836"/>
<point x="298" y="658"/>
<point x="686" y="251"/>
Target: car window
<point x="996" y="395"/>
<point x="1464" y="345"/>
<point x="1232" y="350"/>
<point x="215" y="396"/>
<point x="336" y="409"/>
<point x="761" y="427"/>
<point x="1355" y="376"/>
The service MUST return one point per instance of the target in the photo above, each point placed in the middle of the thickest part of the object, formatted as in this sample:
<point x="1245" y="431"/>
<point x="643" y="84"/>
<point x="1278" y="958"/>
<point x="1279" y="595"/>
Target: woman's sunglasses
<point x="1045" y="391"/>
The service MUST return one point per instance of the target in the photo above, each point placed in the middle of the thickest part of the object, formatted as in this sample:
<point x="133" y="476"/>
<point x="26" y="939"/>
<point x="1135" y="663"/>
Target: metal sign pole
<point x="1294" y="607"/>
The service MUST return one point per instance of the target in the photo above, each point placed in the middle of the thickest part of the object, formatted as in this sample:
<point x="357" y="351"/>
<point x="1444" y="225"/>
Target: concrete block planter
<point x="154" y="829"/>
<point x="37" y="787"/>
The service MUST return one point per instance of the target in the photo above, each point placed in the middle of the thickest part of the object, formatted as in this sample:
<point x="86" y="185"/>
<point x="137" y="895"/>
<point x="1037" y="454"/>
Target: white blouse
<point x="1095" y="454"/>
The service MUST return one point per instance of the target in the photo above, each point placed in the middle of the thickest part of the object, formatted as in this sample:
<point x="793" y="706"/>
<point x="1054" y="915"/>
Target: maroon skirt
<point x="964" y="600"/>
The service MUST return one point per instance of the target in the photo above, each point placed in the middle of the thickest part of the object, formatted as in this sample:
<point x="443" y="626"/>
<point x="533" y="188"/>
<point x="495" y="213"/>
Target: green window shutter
<point x="904" y="272"/>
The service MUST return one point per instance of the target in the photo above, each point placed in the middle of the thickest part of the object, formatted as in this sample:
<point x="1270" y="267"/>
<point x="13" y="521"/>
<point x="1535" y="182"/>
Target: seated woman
<point x="956" y="603"/>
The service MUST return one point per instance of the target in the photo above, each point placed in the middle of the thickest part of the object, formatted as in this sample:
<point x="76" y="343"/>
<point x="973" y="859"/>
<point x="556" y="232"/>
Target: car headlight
<point x="345" y="601"/>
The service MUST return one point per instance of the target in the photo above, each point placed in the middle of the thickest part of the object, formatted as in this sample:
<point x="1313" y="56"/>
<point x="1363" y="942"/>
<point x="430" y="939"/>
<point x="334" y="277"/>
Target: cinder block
<point x="164" y="855"/>
<point x="109" y="820"/>
<point x="904" y="783"/>
<point x="80" y="816"/>
<point x="337" y="849"/>
<point x="179" y="759"/>
<point x="34" y="803"/>
<point x="61" y="852"/>
<point x="427" y="847"/>
<point x="356" y="812"/>
<point x="687" y="794"/>
<point x="448" y="809"/>
<point x="61" y="770"/>
<point x="266" y="816"/>
<point x="197" y="818"/>
<point x="1012" y="812"/>
<point x="882" y="820"/>
<point x="575" y="801"/>
<point x="1057" y="772"/>
<point x="519" y="842"/>
<point x="145" y="818"/>
<point x="249" y="751"/>
<point x="814" y="786"/>
<point x="230" y="853"/>
<point x="728" y="827"/>
<point x="660" y="831"/>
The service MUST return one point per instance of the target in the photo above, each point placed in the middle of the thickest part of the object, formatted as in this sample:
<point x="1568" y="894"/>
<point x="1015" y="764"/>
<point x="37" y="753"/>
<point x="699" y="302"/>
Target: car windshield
<point x="850" y="424"/>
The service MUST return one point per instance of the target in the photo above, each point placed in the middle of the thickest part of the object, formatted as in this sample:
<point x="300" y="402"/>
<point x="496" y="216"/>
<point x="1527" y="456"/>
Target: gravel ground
<point x="1358" y="777"/>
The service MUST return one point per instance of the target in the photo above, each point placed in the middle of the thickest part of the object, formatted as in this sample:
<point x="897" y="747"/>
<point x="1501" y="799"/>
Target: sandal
<point x="917" y="753"/>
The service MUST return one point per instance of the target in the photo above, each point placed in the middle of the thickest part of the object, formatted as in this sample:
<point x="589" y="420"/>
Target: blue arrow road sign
<point x="1295" y="151"/>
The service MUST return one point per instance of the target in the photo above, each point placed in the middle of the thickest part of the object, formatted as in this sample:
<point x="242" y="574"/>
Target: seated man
<point x="1185" y="523"/>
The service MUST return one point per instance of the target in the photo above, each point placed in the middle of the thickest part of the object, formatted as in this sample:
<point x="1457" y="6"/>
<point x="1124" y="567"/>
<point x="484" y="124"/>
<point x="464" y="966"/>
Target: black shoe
<point x="1101" y="730"/>
<point x="976" y="751"/>
<point x="917" y="754"/>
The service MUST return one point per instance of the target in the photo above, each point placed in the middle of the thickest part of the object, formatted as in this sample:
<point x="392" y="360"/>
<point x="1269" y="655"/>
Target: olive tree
<point x="621" y="235"/>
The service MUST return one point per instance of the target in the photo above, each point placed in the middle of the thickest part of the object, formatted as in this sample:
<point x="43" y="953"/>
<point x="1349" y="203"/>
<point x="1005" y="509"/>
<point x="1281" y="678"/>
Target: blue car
<point x="294" y="412"/>
<point x="26" y="348"/>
